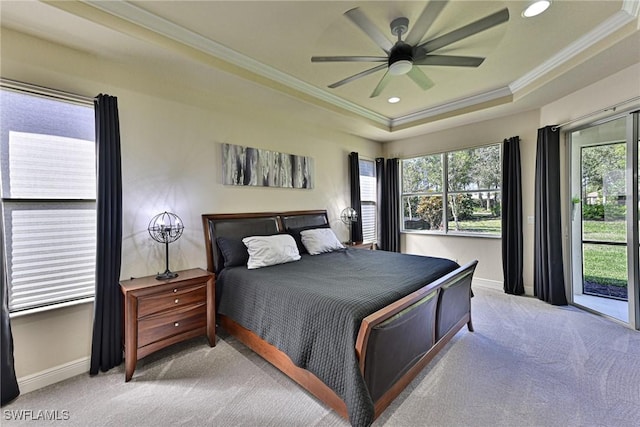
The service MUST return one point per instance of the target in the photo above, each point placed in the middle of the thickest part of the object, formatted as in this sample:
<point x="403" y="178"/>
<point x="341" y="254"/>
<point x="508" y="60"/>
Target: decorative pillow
<point x="233" y="251"/>
<point x="320" y="240"/>
<point x="270" y="250"/>
<point x="295" y="232"/>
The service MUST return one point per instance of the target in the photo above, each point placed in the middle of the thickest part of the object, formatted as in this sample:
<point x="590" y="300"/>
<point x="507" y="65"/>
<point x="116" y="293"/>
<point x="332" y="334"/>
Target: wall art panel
<point x="263" y="168"/>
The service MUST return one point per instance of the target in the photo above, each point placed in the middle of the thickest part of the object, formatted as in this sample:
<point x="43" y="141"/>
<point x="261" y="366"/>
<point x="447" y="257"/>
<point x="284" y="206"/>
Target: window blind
<point x="368" y="222"/>
<point x="48" y="198"/>
<point x="368" y="200"/>
<point x="52" y="249"/>
<point x="51" y="167"/>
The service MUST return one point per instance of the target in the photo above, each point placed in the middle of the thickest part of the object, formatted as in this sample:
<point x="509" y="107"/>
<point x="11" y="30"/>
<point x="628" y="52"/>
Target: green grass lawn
<point x="611" y="231"/>
<point x="606" y="265"/>
<point x="485" y="226"/>
<point x="602" y="264"/>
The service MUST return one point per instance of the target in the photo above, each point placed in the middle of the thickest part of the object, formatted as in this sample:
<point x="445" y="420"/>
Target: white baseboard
<point x="53" y="375"/>
<point x="497" y="285"/>
<point x="487" y="283"/>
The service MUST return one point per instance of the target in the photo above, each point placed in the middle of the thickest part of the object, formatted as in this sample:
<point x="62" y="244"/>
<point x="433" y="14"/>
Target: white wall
<point x="170" y="161"/>
<point x="488" y="251"/>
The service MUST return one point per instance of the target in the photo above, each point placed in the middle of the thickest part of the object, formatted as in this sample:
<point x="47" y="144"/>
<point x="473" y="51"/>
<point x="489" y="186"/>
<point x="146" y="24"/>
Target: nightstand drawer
<point x="173" y="298"/>
<point x="160" y="313"/>
<point x="163" y="325"/>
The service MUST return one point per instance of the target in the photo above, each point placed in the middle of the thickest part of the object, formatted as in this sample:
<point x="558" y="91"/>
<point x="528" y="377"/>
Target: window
<point x="368" y="191"/>
<point x="48" y="182"/>
<point x="468" y="180"/>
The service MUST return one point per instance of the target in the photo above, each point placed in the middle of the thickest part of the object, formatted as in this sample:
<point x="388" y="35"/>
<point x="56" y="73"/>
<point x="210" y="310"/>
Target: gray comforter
<point x="312" y="309"/>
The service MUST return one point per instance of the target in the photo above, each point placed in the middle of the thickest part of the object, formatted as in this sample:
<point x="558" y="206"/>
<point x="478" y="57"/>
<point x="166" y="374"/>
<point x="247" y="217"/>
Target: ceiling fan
<point x="404" y="57"/>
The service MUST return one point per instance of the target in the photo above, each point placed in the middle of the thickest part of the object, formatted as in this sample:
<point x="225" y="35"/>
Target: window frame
<point x="444" y="194"/>
<point x="10" y="202"/>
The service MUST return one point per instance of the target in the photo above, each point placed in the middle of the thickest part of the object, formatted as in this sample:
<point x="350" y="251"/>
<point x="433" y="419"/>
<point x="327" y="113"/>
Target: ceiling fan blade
<point x="369" y="28"/>
<point x="424" y="22"/>
<point x="381" y="84"/>
<point x="349" y="59"/>
<point x="466" y="31"/>
<point x="357" y="76"/>
<point x="450" y="60"/>
<point x="420" y="78"/>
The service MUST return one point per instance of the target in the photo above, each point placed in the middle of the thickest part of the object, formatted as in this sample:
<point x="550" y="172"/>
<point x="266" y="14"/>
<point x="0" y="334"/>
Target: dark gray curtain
<point x="106" y="347"/>
<point x="512" y="263"/>
<point x="356" y="201"/>
<point x="10" y="388"/>
<point x="548" y="275"/>
<point x="388" y="191"/>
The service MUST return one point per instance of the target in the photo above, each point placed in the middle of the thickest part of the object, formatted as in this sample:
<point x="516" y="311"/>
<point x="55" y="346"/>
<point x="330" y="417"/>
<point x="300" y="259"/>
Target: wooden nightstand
<point x="360" y="245"/>
<point x="159" y="313"/>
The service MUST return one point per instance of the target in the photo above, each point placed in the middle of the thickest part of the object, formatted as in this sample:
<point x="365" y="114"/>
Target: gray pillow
<point x="233" y="251"/>
<point x="295" y="233"/>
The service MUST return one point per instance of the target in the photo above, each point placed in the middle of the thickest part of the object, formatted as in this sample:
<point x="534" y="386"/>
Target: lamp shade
<point x="349" y="215"/>
<point x="166" y="228"/>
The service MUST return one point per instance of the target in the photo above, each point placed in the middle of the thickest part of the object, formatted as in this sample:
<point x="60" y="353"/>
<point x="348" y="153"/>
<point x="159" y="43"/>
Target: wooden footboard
<point x="396" y="342"/>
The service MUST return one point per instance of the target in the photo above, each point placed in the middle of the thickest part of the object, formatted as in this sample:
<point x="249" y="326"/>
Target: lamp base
<point x="167" y="275"/>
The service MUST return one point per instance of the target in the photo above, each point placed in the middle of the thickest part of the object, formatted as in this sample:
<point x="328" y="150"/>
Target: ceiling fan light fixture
<point x="404" y="54"/>
<point x="535" y="8"/>
<point x="400" y="67"/>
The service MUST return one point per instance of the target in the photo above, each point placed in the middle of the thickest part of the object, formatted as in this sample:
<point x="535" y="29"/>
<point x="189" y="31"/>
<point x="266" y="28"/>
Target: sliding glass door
<point x="604" y="226"/>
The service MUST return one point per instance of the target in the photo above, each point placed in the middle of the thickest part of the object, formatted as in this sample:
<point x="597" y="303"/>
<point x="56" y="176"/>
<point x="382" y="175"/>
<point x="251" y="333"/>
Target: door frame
<point x="633" y="240"/>
<point x="574" y="228"/>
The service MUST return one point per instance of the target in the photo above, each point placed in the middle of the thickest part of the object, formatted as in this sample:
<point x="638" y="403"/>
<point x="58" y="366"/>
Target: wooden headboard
<point x="239" y="225"/>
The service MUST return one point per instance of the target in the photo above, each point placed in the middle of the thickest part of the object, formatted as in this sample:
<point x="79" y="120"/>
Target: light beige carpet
<point x="527" y="364"/>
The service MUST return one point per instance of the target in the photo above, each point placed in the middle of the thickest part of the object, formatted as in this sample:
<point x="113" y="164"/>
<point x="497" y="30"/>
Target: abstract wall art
<point x="249" y="166"/>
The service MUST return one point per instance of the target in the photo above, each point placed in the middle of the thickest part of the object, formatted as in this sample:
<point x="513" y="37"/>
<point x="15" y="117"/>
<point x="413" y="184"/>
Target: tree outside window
<point x="469" y="180"/>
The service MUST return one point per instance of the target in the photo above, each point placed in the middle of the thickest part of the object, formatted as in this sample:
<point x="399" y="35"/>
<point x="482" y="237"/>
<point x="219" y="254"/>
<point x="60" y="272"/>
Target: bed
<point x="351" y="326"/>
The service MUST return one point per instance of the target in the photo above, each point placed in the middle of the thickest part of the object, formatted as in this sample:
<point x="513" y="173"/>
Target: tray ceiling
<point x="270" y="43"/>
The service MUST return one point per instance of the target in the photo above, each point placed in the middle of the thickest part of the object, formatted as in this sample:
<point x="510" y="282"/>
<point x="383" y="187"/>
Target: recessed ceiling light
<point x="393" y="100"/>
<point x="536" y="8"/>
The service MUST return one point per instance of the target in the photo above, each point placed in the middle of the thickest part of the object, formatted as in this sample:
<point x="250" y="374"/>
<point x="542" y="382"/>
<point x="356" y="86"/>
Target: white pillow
<point x="320" y="240"/>
<point x="270" y="250"/>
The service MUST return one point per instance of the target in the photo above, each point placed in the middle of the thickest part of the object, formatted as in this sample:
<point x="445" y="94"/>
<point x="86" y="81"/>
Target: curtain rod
<point x="586" y="116"/>
<point x="43" y="90"/>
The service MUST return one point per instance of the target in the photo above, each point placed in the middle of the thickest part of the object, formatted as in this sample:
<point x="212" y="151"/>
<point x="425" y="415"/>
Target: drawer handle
<point x="176" y="324"/>
<point x="175" y="290"/>
<point x="176" y="300"/>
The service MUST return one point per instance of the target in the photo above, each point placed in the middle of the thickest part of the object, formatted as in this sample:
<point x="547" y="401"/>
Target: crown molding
<point x="629" y="12"/>
<point x="600" y="32"/>
<point x="144" y="19"/>
<point x="137" y="16"/>
<point x="450" y="107"/>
